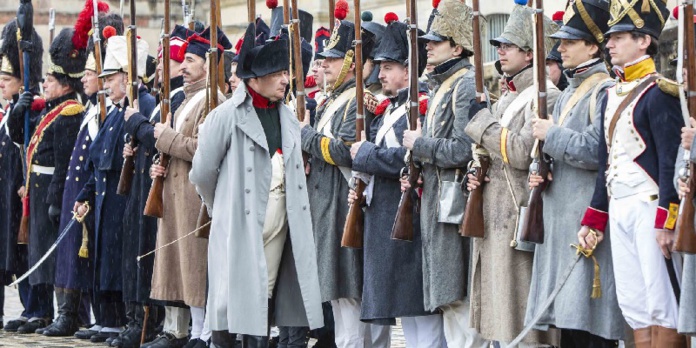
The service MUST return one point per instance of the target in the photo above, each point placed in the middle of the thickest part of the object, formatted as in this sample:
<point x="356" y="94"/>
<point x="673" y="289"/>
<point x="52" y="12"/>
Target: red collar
<point x="260" y="101"/>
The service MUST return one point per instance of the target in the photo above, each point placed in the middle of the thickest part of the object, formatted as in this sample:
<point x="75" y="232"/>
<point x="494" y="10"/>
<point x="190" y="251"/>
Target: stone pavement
<point x="13" y="308"/>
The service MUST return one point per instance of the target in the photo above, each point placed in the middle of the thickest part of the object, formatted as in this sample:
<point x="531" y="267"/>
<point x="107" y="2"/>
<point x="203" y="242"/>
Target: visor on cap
<point x="433" y="36"/>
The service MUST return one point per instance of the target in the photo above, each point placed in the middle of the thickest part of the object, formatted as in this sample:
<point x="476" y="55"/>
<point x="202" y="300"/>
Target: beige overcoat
<point x="180" y="269"/>
<point x="501" y="275"/>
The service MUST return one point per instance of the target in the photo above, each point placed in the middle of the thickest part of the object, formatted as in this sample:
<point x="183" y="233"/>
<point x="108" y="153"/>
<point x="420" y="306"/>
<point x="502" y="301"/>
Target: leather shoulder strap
<point x="624" y="104"/>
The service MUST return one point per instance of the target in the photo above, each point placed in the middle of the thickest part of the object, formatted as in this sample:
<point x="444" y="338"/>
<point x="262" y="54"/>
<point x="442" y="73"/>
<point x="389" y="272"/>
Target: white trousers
<point x="424" y="331"/>
<point x="458" y="333"/>
<point x="176" y="321"/>
<point x="351" y="332"/>
<point x="643" y="286"/>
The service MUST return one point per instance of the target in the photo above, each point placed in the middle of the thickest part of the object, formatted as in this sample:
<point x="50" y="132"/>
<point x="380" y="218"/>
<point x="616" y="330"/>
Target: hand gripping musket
<point x="51" y="25"/>
<point x="403" y="221"/>
<point x="354" y="227"/>
<point x="128" y="169"/>
<point x="156" y="82"/>
<point x="533" y="224"/>
<point x="212" y="93"/>
<point x="686" y="233"/>
<point x="25" y="25"/>
<point x="96" y="38"/>
<point x="473" y="223"/>
<point x="154" y="206"/>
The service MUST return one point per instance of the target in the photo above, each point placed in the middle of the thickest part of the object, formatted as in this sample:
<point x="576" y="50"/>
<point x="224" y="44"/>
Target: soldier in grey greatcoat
<point x="570" y="137"/>
<point x="328" y="145"/>
<point x="501" y="273"/>
<point x="443" y="150"/>
<point x="261" y="250"/>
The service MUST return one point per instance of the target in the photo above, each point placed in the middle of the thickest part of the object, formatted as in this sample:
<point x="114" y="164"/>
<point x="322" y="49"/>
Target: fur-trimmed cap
<point x="10" y="54"/>
<point x="519" y="30"/>
<point x="454" y="20"/>
<point x="66" y="59"/>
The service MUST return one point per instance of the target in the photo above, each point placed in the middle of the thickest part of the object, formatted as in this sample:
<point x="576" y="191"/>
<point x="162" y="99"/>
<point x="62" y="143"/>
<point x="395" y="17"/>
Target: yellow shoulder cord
<point x="588" y="253"/>
<point x="84" y="252"/>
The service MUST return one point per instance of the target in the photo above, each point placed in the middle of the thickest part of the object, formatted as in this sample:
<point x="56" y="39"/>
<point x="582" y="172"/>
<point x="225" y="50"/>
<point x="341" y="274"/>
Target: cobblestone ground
<point x="13" y="308"/>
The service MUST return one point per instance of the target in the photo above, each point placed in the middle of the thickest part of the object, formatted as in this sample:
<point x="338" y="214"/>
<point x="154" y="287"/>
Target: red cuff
<point x="596" y="219"/>
<point x="667" y="219"/>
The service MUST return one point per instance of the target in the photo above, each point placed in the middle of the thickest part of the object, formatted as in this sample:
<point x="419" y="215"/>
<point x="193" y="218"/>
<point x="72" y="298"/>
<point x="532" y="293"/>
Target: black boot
<point x="60" y="301"/>
<point x="223" y="339"/>
<point x="67" y="322"/>
<point x="132" y="336"/>
<point x="249" y="341"/>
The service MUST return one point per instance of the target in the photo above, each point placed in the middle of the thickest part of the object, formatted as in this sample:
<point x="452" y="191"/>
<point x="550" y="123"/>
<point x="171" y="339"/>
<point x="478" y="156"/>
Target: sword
<point x="53" y="247"/>
<point x="581" y="252"/>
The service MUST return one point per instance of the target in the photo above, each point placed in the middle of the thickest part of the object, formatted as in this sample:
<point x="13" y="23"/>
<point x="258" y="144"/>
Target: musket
<point x="156" y="82"/>
<point x="354" y="227"/>
<point x="297" y="61"/>
<point x="212" y="93"/>
<point x="25" y="25"/>
<point x="533" y="224"/>
<point x="473" y="223"/>
<point x="154" y="206"/>
<point x="251" y="11"/>
<point x="96" y="38"/>
<point x="120" y="8"/>
<point x="403" y="221"/>
<point x="51" y="25"/>
<point x="128" y="169"/>
<point x="332" y="18"/>
<point x="686" y="233"/>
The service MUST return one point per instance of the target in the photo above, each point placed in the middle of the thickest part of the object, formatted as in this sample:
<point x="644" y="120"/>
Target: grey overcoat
<point x="573" y="146"/>
<point x="232" y="173"/>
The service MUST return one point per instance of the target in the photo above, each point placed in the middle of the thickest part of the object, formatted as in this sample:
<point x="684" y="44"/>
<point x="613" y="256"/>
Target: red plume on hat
<point x="341" y="10"/>
<point x="558" y="16"/>
<point x="436" y="3"/>
<point x="271" y="4"/>
<point x="84" y="23"/>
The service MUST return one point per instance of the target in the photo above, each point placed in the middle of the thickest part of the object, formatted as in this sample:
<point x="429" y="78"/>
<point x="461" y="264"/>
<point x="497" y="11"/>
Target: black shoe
<point x="85" y="334"/>
<point x="249" y="341"/>
<point x="13" y="325"/>
<point x="196" y="343"/>
<point x="32" y="326"/>
<point x="63" y="326"/>
<point x="166" y="340"/>
<point x="109" y="340"/>
<point x="103" y="336"/>
<point x="131" y="338"/>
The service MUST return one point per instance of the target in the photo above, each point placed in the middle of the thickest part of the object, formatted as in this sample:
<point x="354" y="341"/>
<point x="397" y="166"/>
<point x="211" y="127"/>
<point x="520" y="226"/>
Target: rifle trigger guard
<point x="534" y="167"/>
<point x="352" y="183"/>
<point x="156" y="159"/>
<point x="403" y="172"/>
<point x="127" y="138"/>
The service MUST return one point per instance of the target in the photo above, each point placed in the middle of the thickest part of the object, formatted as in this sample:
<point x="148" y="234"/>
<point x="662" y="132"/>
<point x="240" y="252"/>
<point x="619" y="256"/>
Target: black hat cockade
<point x="585" y="20"/>
<point x="10" y="54"/>
<point x="642" y="16"/>
<point x="261" y="60"/>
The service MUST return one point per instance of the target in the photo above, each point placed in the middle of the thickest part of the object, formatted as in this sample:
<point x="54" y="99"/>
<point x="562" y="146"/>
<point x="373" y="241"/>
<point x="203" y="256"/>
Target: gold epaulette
<point x="668" y="86"/>
<point x="72" y="110"/>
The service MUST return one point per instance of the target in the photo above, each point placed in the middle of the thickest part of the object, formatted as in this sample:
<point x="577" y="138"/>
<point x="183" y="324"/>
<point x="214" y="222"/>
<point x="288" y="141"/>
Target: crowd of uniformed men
<point x="272" y="271"/>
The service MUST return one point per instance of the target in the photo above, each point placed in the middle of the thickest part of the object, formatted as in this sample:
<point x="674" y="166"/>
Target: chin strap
<point x="347" y="61"/>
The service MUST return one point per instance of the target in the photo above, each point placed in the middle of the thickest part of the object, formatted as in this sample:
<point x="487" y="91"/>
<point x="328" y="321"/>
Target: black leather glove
<point x="54" y="214"/>
<point x="22" y="104"/>
<point x="475" y="107"/>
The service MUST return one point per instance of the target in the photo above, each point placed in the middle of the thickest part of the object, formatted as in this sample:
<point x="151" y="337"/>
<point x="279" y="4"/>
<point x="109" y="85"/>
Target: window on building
<point x="496" y="24"/>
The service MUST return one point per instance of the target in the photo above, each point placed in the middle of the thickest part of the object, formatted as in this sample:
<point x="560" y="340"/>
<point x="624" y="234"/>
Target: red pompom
<point x="271" y="4"/>
<point x="423" y="104"/>
<point x="558" y="16"/>
<point x="382" y="107"/>
<point x="108" y="32"/>
<point x="675" y="12"/>
<point x="102" y="7"/>
<point x="38" y="104"/>
<point x="341" y="10"/>
<point x="310" y="82"/>
<point x="436" y="3"/>
<point x="391" y="17"/>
